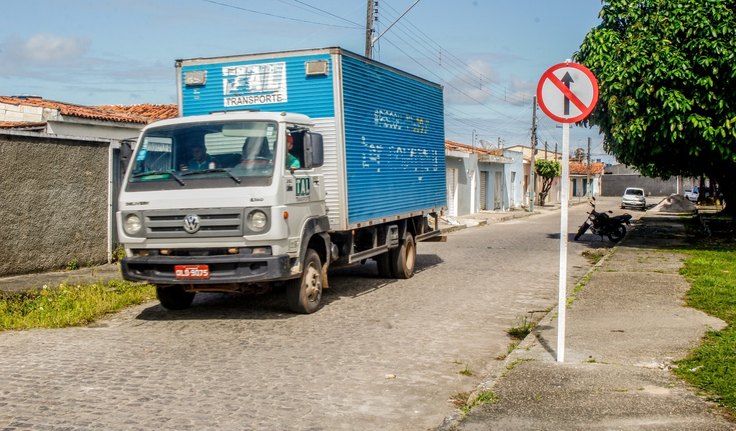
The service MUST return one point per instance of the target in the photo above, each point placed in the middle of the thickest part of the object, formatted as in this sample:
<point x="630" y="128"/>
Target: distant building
<point x="618" y="177"/>
<point x="480" y="179"/>
<point x="585" y="180"/>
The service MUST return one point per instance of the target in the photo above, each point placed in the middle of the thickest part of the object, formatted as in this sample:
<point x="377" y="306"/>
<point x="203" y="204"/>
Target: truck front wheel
<point x="305" y="293"/>
<point x="404" y="258"/>
<point x="174" y="297"/>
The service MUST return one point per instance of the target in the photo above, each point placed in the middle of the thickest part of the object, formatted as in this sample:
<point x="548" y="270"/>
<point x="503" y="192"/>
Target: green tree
<point x="548" y="170"/>
<point x="666" y="71"/>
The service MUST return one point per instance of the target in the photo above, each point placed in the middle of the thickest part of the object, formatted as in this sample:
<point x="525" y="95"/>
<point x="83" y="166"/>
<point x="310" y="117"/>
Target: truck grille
<point x="212" y="223"/>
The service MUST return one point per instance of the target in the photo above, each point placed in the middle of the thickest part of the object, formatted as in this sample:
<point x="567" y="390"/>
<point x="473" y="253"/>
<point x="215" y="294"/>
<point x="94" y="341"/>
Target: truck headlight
<point x="132" y="224"/>
<point x="257" y="220"/>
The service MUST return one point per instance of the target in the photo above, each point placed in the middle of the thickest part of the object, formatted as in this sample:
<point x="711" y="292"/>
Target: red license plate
<point x="192" y="271"/>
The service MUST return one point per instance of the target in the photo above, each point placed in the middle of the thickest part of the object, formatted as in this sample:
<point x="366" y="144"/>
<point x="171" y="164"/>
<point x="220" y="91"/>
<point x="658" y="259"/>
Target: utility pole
<point x="545" y="150"/>
<point x="532" y="167"/>
<point x="375" y="10"/>
<point x="556" y="151"/>
<point x="369" y="30"/>
<point x="588" y="170"/>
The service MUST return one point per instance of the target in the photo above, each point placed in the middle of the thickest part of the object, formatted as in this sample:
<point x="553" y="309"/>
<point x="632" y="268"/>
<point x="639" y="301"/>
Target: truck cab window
<point x="206" y="154"/>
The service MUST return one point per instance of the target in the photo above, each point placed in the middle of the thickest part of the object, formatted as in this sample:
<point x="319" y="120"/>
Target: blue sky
<point x="488" y="54"/>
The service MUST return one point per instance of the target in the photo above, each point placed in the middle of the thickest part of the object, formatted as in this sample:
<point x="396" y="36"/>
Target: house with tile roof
<point x="554" y="194"/>
<point x="481" y="179"/>
<point x="35" y="114"/>
<point x="60" y="171"/>
<point x="585" y="179"/>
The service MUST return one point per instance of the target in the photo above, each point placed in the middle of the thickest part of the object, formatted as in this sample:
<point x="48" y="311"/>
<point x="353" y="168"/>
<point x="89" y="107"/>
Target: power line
<point x="454" y="59"/>
<point x="324" y="12"/>
<point x="274" y="15"/>
<point x="448" y="83"/>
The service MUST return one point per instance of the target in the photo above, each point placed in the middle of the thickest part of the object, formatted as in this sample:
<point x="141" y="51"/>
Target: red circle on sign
<point x="585" y="109"/>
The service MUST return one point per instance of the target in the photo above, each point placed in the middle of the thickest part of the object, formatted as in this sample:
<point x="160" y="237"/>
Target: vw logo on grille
<point x="191" y="223"/>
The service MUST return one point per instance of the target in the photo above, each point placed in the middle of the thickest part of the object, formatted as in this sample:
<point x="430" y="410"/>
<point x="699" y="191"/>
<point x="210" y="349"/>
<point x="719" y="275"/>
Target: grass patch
<point x="712" y="366"/>
<point x="69" y="305"/>
<point x="485" y="397"/>
<point x="522" y="329"/>
<point x="459" y="399"/>
<point x="72" y="265"/>
<point x="575" y="290"/>
<point x="466" y="371"/>
<point x="595" y="256"/>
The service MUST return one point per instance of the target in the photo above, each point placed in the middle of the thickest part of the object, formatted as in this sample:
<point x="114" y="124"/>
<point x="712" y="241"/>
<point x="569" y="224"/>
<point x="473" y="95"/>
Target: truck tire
<point x="304" y="294"/>
<point x="174" y="297"/>
<point x="404" y="258"/>
<point x="383" y="262"/>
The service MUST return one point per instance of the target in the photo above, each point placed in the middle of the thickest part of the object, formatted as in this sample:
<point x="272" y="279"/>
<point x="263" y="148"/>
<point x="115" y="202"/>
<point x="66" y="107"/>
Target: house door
<point x="483" y="190"/>
<point x="452" y="180"/>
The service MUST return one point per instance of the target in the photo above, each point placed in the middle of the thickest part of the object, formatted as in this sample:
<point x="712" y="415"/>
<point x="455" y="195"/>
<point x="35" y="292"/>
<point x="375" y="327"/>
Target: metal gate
<point x="483" y="190"/>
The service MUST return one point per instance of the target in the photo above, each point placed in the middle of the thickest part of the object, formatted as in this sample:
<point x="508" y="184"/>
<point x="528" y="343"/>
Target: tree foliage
<point x="666" y="71"/>
<point x="548" y="170"/>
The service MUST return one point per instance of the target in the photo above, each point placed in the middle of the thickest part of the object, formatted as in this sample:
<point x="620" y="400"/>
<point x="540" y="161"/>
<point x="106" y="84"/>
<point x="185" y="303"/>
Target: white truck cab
<point x="244" y="211"/>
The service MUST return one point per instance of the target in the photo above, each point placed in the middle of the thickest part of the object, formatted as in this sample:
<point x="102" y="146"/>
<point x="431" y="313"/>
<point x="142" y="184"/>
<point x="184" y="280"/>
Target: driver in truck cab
<point x="200" y="159"/>
<point x="292" y="162"/>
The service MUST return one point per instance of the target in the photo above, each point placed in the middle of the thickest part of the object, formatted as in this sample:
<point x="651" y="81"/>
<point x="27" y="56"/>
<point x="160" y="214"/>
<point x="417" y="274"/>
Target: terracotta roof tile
<point x="452" y="145"/>
<point x="79" y="111"/>
<point x="146" y="110"/>
<point x="21" y="125"/>
<point x="578" y="168"/>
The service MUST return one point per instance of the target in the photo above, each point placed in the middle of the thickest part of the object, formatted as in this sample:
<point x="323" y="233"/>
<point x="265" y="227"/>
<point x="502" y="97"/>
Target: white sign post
<point x="567" y="93"/>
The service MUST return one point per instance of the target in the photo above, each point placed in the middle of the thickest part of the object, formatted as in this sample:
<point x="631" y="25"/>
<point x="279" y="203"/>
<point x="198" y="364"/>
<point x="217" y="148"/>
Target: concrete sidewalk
<point x="624" y="330"/>
<point x="26" y="282"/>
<point x="482" y="218"/>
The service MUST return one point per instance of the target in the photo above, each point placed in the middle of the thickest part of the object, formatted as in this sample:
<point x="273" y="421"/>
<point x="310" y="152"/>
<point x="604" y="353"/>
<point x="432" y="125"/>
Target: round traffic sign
<point x="567" y="92"/>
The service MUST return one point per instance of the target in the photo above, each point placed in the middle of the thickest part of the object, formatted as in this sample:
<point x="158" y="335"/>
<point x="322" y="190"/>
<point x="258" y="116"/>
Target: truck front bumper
<point x="222" y="269"/>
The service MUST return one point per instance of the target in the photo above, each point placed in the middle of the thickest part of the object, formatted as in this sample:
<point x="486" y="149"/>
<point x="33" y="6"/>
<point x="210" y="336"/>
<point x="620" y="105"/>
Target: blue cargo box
<point x="383" y="128"/>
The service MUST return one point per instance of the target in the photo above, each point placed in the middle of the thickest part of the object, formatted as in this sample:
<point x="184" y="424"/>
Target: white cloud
<point x="472" y="85"/>
<point x="42" y="49"/>
<point x="521" y="91"/>
<point x="45" y="48"/>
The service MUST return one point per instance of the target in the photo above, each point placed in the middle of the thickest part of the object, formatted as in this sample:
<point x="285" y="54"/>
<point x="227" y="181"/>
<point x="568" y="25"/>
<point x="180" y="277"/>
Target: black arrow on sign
<point x="567" y="80"/>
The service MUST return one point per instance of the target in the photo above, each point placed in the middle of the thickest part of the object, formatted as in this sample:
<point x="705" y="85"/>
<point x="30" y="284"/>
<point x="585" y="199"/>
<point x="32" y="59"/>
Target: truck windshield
<point x="210" y="151"/>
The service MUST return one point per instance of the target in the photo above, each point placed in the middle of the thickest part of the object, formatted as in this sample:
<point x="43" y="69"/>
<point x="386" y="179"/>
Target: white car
<point x="692" y="195"/>
<point x="634" y="197"/>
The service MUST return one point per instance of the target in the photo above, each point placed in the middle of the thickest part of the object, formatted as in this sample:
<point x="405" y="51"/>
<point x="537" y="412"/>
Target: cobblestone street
<point x="381" y="354"/>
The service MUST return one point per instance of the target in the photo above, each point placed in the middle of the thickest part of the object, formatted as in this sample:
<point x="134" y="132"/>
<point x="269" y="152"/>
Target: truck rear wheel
<point x="304" y="294"/>
<point x="174" y="297"/>
<point x="383" y="262"/>
<point x="404" y="258"/>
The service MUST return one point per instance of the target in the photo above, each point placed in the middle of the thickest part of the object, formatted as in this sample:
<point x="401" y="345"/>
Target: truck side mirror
<point x="313" y="150"/>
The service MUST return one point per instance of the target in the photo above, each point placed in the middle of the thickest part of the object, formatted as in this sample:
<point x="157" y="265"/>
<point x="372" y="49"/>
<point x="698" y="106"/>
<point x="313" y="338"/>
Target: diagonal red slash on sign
<point x="566" y="91"/>
<point x="555" y="100"/>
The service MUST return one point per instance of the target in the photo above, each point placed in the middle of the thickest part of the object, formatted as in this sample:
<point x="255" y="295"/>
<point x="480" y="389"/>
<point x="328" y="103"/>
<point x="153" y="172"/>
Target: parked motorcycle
<point x="602" y="224"/>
